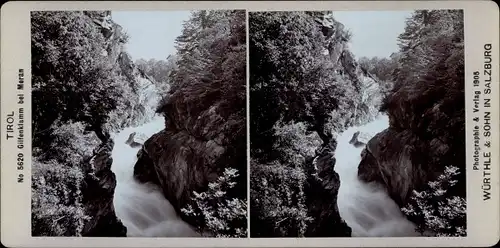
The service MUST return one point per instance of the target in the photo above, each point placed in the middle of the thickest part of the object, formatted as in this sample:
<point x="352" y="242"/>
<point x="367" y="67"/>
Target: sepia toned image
<point x="139" y="123"/>
<point x="357" y="122"/>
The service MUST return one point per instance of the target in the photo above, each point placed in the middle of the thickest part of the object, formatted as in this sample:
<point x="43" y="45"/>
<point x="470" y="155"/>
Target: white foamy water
<point x="366" y="208"/>
<point x="142" y="207"/>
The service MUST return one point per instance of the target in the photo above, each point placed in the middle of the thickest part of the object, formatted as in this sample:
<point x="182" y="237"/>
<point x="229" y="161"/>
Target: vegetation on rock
<point x="205" y="131"/>
<point x="426" y="110"/>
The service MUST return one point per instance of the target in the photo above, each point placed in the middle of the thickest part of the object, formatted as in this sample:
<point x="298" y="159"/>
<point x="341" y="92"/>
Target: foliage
<point x="295" y="143"/>
<point x="72" y="78"/>
<point x="56" y="200"/>
<point x="76" y="87"/>
<point x="291" y="77"/>
<point x="211" y="66"/>
<point x="381" y="68"/>
<point x="278" y="201"/>
<point x="221" y="217"/>
<point x="428" y="94"/>
<point x="70" y="145"/>
<point x="159" y="70"/>
<point x="435" y="210"/>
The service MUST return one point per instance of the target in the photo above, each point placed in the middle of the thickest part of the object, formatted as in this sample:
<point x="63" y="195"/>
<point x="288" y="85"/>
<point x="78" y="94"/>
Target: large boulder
<point x="136" y="139"/>
<point x="359" y="139"/>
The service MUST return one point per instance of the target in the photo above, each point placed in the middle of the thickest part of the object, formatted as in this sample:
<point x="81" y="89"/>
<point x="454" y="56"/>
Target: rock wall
<point x="322" y="190"/>
<point x="426" y="133"/>
<point x="205" y="124"/>
<point x="98" y="191"/>
<point x="192" y="151"/>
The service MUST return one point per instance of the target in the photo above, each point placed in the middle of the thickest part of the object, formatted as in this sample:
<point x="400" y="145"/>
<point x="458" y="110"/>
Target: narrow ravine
<point x="142" y="207"/>
<point x="366" y="208"/>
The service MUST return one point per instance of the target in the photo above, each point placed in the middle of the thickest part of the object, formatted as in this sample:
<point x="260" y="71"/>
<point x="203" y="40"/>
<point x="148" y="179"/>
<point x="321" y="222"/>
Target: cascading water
<point x="366" y="207"/>
<point x="142" y="207"/>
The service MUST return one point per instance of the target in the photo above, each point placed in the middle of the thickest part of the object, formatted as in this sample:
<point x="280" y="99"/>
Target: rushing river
<point x="142" y="207"/>
<point x="366" y="207"/>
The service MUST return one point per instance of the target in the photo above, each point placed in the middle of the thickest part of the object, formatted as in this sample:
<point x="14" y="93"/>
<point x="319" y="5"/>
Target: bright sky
<point x="374" y="33"/>
<point x="152" y="33"/>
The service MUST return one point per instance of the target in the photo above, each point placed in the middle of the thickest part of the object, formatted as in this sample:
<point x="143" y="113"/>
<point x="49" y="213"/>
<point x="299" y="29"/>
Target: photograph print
<point x="357" y="123"/>
<point x="139" y="123"/>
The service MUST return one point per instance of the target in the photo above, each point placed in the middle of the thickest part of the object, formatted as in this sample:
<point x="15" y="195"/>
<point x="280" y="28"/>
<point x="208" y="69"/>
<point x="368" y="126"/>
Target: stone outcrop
<point x="190" y="152"/>
<point x="98" y="191"/>
<point x="322" y="190"/>
<point x="426" y="133"/>
<point x="205" y="129"/>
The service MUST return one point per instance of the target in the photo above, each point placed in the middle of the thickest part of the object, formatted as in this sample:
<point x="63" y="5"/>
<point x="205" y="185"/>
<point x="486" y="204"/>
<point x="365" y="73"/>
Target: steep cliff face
<point x="323" y="187"/>
<point x="367" y="90"/>
<point x="322" y="192"/>
<point x="426" y="110"/>
<point x="205" y="121"/>
<point x="98" y="191"/>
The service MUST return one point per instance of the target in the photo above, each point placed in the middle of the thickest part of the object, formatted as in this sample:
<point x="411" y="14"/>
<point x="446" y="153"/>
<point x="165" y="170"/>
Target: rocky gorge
<point x="372" y="142"/>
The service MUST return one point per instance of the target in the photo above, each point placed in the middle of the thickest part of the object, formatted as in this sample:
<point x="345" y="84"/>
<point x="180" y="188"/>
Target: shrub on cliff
<point x="295" y="143"/>
<point x="57" y="177"/>
<point x="434" y="210"/>
<point x="56" y="208"/>
<point x="278" y="200"/>
<point x="218" y="215"/>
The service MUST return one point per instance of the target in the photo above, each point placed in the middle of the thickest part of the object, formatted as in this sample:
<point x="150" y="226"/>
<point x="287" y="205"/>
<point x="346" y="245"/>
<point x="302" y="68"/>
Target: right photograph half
<point x="357" y="124"/>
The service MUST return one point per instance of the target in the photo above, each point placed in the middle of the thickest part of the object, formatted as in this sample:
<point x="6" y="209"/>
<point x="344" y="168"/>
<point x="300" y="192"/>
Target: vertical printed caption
<point x="15" y="126"/>
<point x="481" y="115"/>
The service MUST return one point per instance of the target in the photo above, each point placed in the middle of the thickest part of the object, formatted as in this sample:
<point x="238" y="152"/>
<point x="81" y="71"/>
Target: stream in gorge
<point x="142" y="207"/>
<point x="366" y="207"/>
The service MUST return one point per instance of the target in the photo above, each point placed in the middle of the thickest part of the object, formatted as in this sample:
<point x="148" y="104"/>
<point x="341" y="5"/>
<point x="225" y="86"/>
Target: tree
<point x="435" y="211"/>
<point x="72" y="77"/>
<point x="291" y="77"/>
<point x="76" y="85"/>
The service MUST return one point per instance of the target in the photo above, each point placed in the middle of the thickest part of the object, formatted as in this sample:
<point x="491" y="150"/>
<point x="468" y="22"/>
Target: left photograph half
<point x="139" y="123"/>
